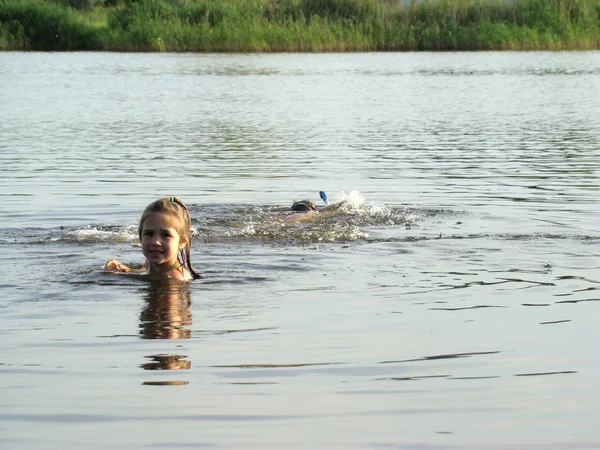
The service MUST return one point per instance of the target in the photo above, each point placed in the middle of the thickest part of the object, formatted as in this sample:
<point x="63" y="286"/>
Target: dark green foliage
<point x="12" y="36"/>
<point x="46" y="26"/>
<point x="82" y="4"/>
<point x="298" y="25"/>
<point x="353" y="10"/>
<point x="166" y="11"/>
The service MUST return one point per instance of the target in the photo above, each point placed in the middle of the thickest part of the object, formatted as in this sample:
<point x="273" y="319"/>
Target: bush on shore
<point x="298" y="25"/>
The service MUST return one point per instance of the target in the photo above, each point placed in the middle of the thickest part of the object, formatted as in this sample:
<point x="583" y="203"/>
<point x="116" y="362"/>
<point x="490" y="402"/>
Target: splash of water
<point x="346" y="218"/>
<point x="349" y="201"/>
<point x="102" y="234"/>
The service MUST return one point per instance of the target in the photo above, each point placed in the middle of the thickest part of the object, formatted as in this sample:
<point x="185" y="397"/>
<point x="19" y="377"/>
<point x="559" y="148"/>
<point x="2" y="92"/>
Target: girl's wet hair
<point x="304" y="206"/>
<point x="176" y="209"/>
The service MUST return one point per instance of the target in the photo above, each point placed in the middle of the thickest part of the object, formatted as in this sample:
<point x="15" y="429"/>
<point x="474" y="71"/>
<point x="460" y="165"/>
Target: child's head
<point x="304" y="206"/>
<point x="176" y="213"/>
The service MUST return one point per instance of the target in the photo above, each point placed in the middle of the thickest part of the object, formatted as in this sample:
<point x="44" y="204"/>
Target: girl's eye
<point x="146" y="233"/>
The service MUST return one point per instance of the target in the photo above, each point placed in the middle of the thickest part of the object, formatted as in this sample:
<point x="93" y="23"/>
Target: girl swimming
<point x="165" y="235"/>
<point x="307" y="210"/>
<point x="301" y="210"/>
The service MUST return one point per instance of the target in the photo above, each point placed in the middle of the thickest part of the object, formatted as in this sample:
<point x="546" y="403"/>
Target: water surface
<point x="452" y="305"/>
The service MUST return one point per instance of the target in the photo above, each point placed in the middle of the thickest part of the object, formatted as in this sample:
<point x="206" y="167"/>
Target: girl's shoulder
<point x="181" y="274"/>
<point x="296" y="216"/>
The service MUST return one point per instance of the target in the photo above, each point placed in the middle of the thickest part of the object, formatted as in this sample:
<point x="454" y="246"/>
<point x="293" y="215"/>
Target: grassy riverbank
<point x="298" y="25"/>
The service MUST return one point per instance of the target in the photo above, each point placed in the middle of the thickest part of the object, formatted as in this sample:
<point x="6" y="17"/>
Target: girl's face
<point x="160" y="242"/>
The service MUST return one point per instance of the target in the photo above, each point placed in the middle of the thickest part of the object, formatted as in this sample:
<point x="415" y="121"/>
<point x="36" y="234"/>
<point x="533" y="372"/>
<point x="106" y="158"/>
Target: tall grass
<point x="298" y="25"/>
<point x="37" y="25"/>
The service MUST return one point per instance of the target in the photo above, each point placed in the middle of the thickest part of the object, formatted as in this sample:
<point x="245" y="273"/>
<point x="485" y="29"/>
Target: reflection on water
<point x="165" y="383"/>
<point x="166" y="315"/>
<point x="167" y="362"/>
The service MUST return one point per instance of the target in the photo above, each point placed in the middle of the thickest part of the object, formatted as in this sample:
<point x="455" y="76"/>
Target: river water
<point x="453" y="303"/>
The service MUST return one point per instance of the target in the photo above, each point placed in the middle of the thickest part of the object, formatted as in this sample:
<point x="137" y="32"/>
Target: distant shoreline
<point x="250" y="26"/>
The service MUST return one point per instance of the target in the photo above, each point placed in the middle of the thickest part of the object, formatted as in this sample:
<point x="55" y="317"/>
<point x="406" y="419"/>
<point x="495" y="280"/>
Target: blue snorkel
<point x="323" y="196"/>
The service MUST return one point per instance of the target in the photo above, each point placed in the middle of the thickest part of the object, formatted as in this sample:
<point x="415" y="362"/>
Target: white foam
<point x="351" y="200"/>
<point x="93" y="234"/>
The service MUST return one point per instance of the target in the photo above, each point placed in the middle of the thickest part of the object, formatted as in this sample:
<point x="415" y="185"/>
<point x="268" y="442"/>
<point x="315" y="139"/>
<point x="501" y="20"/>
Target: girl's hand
<point x="115" y="266"/>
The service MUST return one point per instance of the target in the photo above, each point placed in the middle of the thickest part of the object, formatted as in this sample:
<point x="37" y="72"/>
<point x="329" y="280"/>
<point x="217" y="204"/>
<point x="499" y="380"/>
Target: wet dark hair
<point x="176" y="209"/>
<point x="304" y="206"/>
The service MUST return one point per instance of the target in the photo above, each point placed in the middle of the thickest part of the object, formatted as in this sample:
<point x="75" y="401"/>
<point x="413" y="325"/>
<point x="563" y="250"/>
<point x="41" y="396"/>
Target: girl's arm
<point x="115" y="266"/>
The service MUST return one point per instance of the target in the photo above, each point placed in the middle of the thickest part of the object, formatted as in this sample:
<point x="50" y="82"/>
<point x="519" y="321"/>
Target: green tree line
<point x="298" y="25"/>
